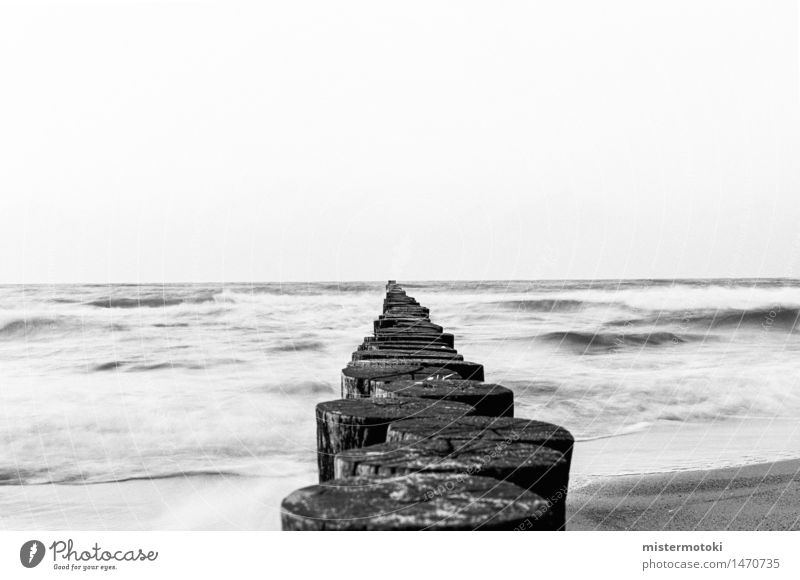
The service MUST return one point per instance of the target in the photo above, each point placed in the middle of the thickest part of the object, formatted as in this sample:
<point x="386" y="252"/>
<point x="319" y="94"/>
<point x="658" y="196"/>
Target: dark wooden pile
<point x="420" y="442"/>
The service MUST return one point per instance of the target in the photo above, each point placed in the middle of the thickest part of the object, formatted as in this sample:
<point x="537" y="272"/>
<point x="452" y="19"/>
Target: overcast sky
<point x="231" y="141"/>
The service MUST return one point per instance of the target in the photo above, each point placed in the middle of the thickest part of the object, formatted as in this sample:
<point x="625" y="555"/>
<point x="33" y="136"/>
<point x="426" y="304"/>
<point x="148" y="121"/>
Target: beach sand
<point x="725" y="475"/>
<point x="765" y="496"/>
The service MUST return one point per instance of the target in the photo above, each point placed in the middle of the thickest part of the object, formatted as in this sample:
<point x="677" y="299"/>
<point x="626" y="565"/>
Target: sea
<point x="108" y="389"/>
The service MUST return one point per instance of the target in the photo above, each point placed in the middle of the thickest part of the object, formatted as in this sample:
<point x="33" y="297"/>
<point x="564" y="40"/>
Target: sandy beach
<point x="765" y="496"/>
<point x="725" y="475"/>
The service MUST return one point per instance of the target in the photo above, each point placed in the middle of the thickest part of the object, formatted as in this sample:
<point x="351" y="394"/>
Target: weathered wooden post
<point x="494" y="428"/>
<point x="349" y="423"/>
<point x="464" y="369"/>
<point x="444" y="338"/>
<point x="536" y="433"/>
<point x="359" y="381"/>
<point x="539" y="469"/>
<point x="488" y="399"/>
<point x="419" y="441"/>
<point x="415" y="347"/>
<point x="413" y="503"/>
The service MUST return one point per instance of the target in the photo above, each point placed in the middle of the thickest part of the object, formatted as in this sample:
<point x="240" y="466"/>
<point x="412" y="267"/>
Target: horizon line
<point x="409" y="281"/>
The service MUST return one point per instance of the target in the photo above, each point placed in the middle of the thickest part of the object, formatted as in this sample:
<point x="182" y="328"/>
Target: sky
<point x="317" y="140"/>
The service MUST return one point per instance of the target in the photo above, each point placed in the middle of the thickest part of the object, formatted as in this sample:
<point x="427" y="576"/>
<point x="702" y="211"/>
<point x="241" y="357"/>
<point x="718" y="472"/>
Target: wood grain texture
<point x="488" y="399"/>
<point x="541" y="470"/>
<point x="464" y="369"/>
<point x="411" y="503"/>
<point x="416" y="354"/>
<point x="360" y="381"/>
<point x="349" y="423"/>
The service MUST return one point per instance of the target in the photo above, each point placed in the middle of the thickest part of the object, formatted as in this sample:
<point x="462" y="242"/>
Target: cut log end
<point x="413" y="503"/>
<point x="533" y="467"/>
<point x="495" y="428"/>
<point x="360" y="378"/>
<point x="488" y="399"/>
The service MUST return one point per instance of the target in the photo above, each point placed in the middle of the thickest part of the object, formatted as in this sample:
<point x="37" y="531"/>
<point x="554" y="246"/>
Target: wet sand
<point x="763" y="496"/>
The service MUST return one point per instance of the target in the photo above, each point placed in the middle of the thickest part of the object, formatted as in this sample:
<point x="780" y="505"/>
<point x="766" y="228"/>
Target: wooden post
<point x="427" y="337"/>
<point x="464" y="369"/>
<point x="407" y="310"/>
<point x="408" y="323"/>
<point x="495" y="428"/>
<point x="541" y="470"/>
<point x="360" y="381"/>
<point x="488" y="399"/>
<point x="420" y="442"/>
<point x="412" y="503"/>
<point x="349" y="423"/>
<point x="397" y="345"/>
<point x="405" y="354"/>
<point x="528" y="431"/>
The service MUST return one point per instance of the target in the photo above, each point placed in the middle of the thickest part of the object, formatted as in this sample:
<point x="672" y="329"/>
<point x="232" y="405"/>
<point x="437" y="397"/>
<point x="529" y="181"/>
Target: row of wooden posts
<point x="419" y="441"/>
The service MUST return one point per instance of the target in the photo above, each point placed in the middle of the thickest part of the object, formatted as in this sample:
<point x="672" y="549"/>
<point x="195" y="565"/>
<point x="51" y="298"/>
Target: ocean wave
<point x="18" y="476"/>
<point x="99" y="479"/>
<point x="763" y="317"/>
<point x="299" y="289"/>
<point x="298" y="345"/>
<point x="157" y="366"/>
<point x="11" y="477"/>
<point x="59" y="326"/>
<point x="296" y="387"/>
<point x="607" y="341"/>
<point x="30" y="325"/>
<point x="324" y="288"/>
<point x="165" y="365"/>
<point x="550" y="305"/>
<point x="109" y="366"/>
<point x="159" y="301"/>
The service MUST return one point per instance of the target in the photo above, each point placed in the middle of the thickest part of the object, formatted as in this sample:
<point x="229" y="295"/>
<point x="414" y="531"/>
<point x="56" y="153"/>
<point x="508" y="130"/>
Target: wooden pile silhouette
<point x="419" y="441"/>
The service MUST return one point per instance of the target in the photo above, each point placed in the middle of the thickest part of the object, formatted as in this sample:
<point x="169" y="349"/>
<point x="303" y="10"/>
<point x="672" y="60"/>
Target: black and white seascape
<point x="256" y="255"/>
<point x="191" y="406"/>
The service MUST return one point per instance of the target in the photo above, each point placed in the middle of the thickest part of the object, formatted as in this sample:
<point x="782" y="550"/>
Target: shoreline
<point x="731" y="474"/>
<point x="759" y="496"/>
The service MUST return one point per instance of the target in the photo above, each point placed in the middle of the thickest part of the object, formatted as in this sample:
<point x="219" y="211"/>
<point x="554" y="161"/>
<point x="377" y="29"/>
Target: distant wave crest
<point x="26" y="326"/>
<point x="299" y="345"/>
<point x="613" y="340"/>
<point x="546" y="305"/>
<point x="129" y="366"/>
<point x="150" y="301"/>
<point x="779" y="317"/>
<point x="10" y="477"/>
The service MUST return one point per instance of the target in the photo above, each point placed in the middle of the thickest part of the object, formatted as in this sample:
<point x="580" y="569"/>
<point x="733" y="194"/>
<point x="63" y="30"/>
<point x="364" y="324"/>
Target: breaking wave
<point x="548" y="305"/>
<point x="299" y="345"/>
<point x="613" y="341"/>
<point x="149" y="301"/>
<point x="27" y="326"/>
<point x="786" y="318"/>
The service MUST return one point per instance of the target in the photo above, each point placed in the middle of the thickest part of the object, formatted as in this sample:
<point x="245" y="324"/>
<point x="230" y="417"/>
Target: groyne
<point x="419" y="441"/>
